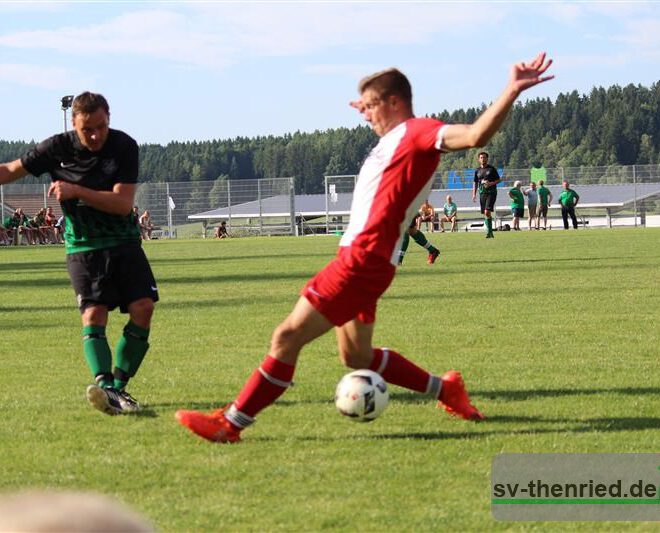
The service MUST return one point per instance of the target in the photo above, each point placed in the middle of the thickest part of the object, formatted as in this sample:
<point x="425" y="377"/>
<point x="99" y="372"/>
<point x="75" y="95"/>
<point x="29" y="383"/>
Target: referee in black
<point x="486" y="179"/>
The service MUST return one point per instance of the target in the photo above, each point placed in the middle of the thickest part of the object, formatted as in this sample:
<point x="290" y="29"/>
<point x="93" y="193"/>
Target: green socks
<point x="97" y="354"/>
<point x="130" y="351"/>
<point x="489" y="226"/>
<point x="404" y="247"/>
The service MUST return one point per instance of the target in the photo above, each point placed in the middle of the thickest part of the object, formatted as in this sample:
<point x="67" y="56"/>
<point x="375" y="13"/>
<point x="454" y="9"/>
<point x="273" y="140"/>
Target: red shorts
<point x="349" y="286"/>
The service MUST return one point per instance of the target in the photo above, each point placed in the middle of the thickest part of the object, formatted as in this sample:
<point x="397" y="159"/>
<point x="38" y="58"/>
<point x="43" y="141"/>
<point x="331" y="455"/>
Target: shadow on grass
<point x="530" y="394"/>
<point x="145" y="412"/>
<point x="220" y="258"/>
<point x="575" y="426"/>
<point x="520" y="395"/>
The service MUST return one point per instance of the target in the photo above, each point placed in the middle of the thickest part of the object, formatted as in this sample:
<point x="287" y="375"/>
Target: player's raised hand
<point x="526" y="75"/>
<point x="358" y="104"/>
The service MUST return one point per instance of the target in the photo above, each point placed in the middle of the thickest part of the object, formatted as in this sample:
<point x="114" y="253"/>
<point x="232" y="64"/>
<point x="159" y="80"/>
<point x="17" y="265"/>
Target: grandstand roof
<point x="614" y="196"/>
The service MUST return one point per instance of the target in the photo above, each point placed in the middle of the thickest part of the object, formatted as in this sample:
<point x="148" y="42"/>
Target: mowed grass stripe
<point x="556" y="334"/>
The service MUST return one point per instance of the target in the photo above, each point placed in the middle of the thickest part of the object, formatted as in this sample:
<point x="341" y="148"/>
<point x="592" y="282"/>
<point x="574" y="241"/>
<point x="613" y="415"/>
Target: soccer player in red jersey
<point x="395" y="178"/>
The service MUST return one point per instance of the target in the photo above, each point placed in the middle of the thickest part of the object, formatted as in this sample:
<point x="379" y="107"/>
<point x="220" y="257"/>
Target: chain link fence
<point x="270" y="206"/>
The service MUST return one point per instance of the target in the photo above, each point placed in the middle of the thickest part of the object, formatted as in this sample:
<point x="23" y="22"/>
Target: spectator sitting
<point x="38" y="224"/>
<point x="221" y="231"/>
<point x="50" y="229"/>
<point x="145" y="225"/>
<point x="450" y="210"/>
<point x="426" y="214"/>
<point x="10" y="225"/>
<point x="25" y="228"/>
<point x="4" y="236"/>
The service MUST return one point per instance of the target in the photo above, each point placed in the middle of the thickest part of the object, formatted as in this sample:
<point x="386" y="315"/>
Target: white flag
<point x="170" y="202"/>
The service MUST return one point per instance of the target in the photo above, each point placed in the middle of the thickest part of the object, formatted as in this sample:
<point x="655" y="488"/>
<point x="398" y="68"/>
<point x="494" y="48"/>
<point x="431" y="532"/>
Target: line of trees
<point x="618" y="125"/>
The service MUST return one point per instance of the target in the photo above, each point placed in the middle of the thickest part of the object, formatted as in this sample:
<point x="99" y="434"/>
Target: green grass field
<point x="556" y="334"/>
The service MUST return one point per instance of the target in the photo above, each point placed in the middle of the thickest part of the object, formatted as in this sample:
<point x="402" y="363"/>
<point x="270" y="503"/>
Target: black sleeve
<point x="497" y="175"/>
<point x="41" y="158"/>
<point x="129" y="163"/>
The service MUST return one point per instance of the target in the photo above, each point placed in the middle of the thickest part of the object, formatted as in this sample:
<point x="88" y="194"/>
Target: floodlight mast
<point x="66" y="102"/>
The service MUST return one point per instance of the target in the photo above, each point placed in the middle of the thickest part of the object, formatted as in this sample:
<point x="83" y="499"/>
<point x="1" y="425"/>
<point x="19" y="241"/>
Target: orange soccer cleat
<point x="454" y="398"/>
<point x="214" y="426"/>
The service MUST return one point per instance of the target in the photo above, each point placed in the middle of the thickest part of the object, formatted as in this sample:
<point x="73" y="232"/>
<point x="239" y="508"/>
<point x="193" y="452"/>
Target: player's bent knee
<point x="141" y="311"/>
<point x="285" y="339"/>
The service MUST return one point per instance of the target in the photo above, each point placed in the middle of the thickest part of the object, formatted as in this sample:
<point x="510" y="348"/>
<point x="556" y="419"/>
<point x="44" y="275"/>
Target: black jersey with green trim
<point x="482" y="174"/>
<point x="65" y="158"/>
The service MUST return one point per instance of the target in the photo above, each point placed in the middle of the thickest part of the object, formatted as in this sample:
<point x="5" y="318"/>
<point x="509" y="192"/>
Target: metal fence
<point x="338" y="189"/>
<point x="268" y="206"/>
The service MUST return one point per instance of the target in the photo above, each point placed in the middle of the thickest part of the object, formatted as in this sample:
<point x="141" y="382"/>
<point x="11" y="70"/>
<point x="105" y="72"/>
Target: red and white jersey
<point x="393" y="182"/>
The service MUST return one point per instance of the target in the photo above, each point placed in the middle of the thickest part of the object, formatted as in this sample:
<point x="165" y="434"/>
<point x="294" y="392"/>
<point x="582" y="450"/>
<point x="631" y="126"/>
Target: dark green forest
<point x="617" y="125"/>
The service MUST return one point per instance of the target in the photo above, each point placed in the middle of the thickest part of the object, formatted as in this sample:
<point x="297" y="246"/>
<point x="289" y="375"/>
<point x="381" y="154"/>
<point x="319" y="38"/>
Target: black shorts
<point x="543" y="210"/>
<point x="518" y="211"/>
<point x="114" y="277"/>
<point x="413" y="223"/>
<point x="487" y="201"/>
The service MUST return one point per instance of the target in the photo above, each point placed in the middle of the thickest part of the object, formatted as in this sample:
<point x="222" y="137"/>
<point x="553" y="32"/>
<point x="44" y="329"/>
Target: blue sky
<point x="210" y="70"/>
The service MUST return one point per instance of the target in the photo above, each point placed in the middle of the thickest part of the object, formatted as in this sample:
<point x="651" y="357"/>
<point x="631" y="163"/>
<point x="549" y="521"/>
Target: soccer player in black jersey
<point x="486" y="179"/>
<point x="94" y="171"/>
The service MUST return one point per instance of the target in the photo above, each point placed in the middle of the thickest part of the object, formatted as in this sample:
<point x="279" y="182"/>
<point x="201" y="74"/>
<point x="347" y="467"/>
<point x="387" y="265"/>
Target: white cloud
<point x="642" y="33"/>
<point x="218" y="35"/>
<point x="157" y="34"/>
<point x="46" y="77"/>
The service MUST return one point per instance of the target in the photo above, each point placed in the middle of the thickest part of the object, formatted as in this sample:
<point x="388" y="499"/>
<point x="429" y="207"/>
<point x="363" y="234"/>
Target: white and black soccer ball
<point x="362" y="395"/>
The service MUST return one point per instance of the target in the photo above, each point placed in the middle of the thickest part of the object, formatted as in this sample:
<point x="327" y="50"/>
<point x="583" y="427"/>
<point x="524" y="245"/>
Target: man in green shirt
<point x="568" y="199"/>
<point x="545" y="199"/>
<point x="517" y="204"/>
<point x="94" y="170"/>
<point x="450" y="210"/>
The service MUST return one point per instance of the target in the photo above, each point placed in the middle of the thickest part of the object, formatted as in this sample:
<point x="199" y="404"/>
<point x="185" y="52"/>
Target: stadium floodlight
<point x="66" y="102"/>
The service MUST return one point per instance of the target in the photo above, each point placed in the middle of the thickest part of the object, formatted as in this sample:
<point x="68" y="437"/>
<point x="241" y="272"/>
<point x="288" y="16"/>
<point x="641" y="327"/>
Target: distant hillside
<point x="608" y="126"/>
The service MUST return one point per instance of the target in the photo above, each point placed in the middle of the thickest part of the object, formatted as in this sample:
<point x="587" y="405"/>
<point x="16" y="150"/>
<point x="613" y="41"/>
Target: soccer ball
<point x="361" y="395"/>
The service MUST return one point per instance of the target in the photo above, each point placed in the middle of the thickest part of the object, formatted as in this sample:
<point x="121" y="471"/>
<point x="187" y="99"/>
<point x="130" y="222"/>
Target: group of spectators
<point x="449" y="215"/>
<point x="538" y="201"/>
<point x="42" y="228"/>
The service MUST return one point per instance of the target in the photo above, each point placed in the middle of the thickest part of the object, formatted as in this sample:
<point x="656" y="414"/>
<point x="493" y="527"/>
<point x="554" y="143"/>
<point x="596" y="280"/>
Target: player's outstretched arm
<point x="522" y="76"/>
<point x="12" y="171"/>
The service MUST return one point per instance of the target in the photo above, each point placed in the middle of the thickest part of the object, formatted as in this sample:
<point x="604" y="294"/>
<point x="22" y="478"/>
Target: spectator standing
<point x="532" y="203"/>
<point x="568" y="199"/>
<point x="146" y="227"/>
<point x="545" y="201"/>
<point x="450" y="214"/>
<point x="486" y="179"/>
<point x="517" y="204"/>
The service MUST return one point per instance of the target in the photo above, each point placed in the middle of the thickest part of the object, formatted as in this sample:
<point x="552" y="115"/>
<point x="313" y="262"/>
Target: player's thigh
<point x="301" y="326"/>
<point x="133" y="275"/>
<point x="354" y="340"/>
<point x="91" y="278"/>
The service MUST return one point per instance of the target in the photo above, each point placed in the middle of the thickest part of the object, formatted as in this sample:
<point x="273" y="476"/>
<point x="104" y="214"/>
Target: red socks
<point x="398" y="370"/>
<point x="266" y="384"/>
